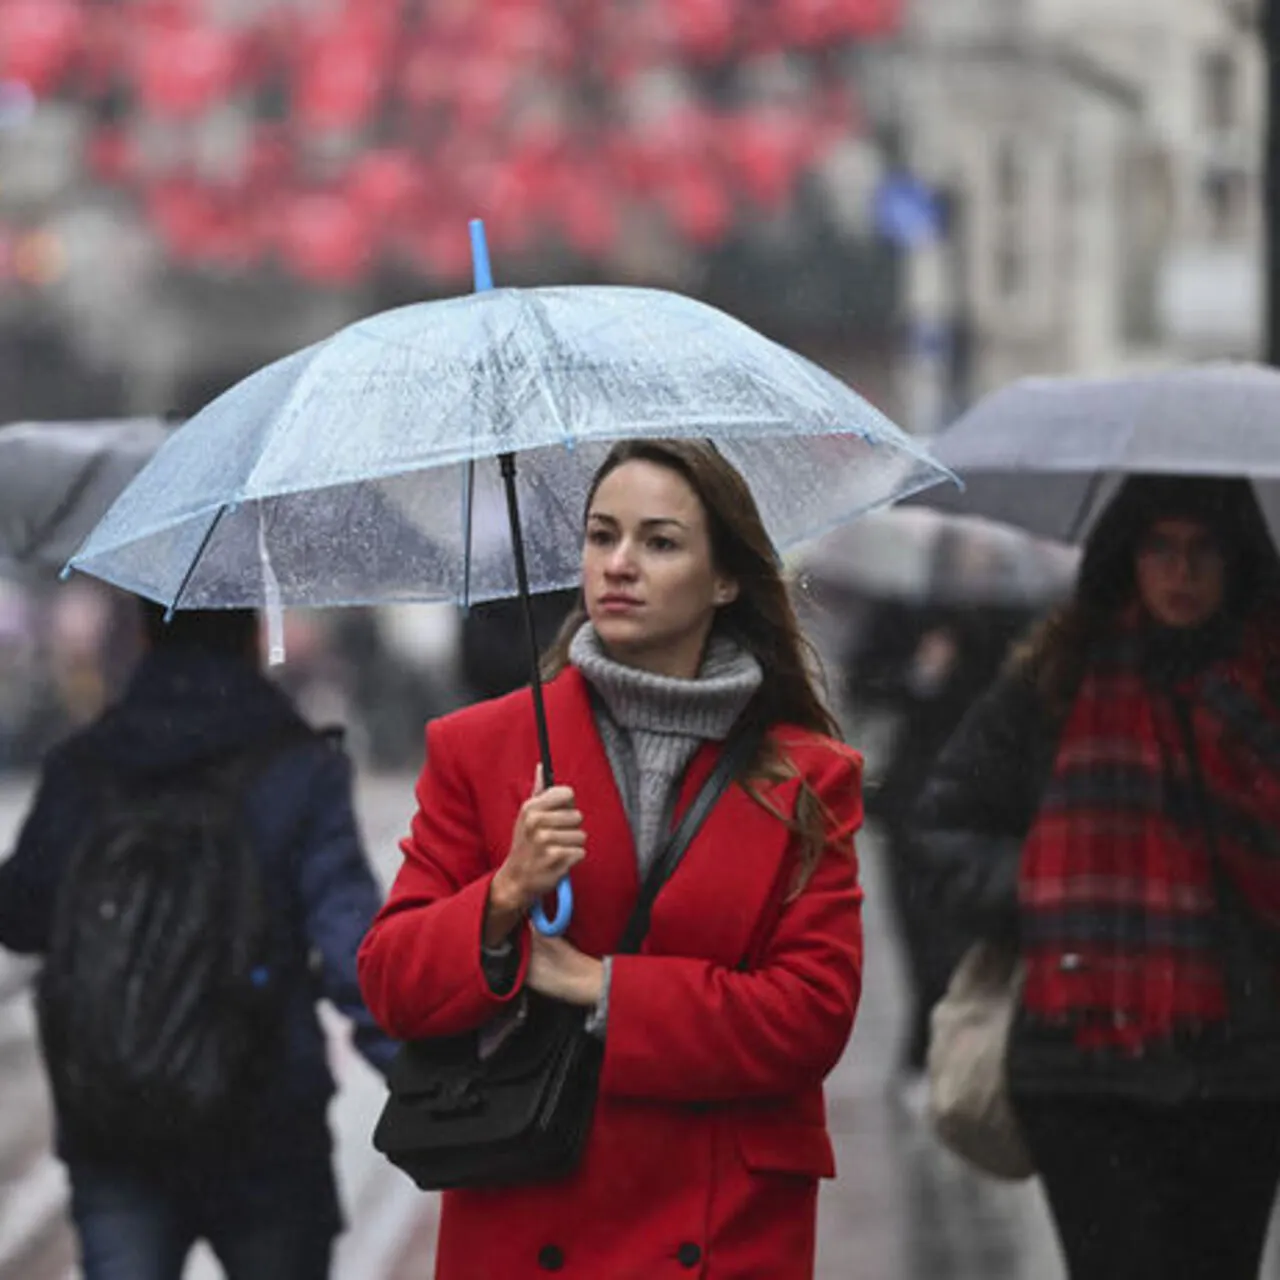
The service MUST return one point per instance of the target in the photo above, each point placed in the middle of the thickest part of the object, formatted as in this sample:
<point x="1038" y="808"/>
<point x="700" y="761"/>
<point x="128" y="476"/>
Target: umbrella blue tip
<point x="481" y="270"/>
<point x="168" y="615"/>
<point x="66" y="571"/>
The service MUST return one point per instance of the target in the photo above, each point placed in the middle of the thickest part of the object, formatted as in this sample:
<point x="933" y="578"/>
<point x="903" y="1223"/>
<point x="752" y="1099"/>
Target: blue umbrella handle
<point x="554" y="927"/>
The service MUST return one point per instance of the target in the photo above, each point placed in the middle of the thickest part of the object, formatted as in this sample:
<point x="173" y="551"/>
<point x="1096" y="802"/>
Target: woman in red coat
<point x="709" y="1134"/>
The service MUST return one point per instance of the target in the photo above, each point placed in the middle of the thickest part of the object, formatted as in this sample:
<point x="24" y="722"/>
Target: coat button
<point x="688" y="1254"/>
<point x="551" y="1257"/>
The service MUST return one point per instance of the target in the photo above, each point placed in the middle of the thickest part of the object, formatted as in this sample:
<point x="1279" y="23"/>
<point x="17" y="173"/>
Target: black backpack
<point x="159" y="1002"/>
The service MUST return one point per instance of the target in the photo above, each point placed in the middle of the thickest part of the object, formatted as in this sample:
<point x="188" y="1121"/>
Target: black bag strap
<point x="739" y="748"/>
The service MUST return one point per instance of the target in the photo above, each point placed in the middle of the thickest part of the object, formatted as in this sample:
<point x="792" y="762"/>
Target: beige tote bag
<point x="968" y="1044"/>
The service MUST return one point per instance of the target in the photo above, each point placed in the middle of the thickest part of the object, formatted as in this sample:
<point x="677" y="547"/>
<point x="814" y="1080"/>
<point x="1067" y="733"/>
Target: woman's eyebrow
<point x="649" y="523"/>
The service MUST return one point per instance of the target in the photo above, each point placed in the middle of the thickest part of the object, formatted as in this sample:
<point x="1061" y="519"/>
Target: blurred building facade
<point x="1100" y="166"/>
<point x="189" y="188"/>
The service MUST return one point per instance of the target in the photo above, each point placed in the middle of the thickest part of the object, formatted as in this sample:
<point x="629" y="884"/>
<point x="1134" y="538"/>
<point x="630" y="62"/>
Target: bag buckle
<point x="455" y="1098"/>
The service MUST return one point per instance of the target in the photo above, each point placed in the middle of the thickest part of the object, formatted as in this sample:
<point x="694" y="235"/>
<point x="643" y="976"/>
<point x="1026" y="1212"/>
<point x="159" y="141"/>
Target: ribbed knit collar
<point x="640" y="701"/>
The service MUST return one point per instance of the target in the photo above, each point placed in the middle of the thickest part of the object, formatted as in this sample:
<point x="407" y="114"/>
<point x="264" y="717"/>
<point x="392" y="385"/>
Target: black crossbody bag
<point x="513" y="1101"/>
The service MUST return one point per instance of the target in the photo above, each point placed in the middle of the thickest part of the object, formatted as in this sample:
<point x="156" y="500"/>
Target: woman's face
<point x="650" y="585"/>
<point x="1181" y="572"/>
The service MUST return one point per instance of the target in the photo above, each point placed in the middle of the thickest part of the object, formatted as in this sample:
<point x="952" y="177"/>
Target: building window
<point x="1011" y="268"/>
<point x="1220" y="89"/>
<point x="1011" y="176"/>
<point x="1226" y="193"/>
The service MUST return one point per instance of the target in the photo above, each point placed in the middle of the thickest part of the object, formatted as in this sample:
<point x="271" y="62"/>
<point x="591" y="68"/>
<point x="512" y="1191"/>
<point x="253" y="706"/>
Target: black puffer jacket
<point x="971" y="820"/>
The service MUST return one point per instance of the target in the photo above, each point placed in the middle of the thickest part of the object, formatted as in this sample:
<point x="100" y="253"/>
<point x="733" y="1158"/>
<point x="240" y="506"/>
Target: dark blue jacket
<point x="183" y="706"/>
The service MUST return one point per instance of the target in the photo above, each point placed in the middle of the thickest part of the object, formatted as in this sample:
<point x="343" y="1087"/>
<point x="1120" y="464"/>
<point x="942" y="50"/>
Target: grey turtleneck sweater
<point x="651" y="726"/>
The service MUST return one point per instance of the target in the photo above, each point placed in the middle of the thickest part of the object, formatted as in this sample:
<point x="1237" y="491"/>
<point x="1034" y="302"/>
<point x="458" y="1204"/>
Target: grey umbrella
<point x="57" y="479"/>
<point x="1046" y="454"/>
<point x="923" y="557"/>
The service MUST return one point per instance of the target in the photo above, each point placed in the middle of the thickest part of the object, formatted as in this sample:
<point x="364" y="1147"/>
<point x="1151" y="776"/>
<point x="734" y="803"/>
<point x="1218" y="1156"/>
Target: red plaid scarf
<point x="1118" y="902"/>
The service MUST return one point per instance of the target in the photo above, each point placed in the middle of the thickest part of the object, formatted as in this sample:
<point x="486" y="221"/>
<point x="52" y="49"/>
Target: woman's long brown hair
<point x="761" y="619"/>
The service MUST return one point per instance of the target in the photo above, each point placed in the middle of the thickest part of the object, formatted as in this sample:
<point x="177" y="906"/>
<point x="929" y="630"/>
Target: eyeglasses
<point x="1165" y="552"/>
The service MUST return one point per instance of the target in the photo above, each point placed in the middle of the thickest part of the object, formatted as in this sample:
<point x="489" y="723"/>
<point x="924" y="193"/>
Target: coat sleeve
<point x="29" y="878"/>
<point x="340" y="896"/>
<point x="689" y="1030"/>
<point x="977" y="805"/>
<point x="421" y="967"/>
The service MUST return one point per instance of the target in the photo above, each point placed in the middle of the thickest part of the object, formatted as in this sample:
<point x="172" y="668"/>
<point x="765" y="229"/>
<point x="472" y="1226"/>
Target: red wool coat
<point x="710" y="1133"/>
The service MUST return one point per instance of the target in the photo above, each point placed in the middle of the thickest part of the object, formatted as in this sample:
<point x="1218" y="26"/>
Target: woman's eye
<point x="599" y="537"/>
<point x="660" y="543"/>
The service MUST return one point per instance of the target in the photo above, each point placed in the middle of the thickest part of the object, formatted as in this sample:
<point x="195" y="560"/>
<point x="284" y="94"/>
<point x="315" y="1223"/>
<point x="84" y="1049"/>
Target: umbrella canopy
<point x="925" y="557"/>
<point x="370" y="467"/>
<point x="278" y="492"/>
<point x="57" y="479"/>
<point x="1047" y="454"/>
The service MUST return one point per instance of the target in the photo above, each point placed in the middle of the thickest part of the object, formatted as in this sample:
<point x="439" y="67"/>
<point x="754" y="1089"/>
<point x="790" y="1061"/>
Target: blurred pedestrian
<point x="925" y="665"/>
<point x="709" y="1136"/>
<point x="192" y="871"/>
<point x="495" y="653"/>
<point x="1111" y="807"/>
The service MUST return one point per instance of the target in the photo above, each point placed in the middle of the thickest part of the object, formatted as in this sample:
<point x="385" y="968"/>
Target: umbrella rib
<point x="537" y="309"/>
<point x="195" y="559"/>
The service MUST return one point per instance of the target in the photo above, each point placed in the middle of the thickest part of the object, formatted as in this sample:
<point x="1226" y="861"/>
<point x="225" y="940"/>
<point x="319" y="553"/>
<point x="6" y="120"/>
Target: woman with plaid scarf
<point x="1111" y="807"/>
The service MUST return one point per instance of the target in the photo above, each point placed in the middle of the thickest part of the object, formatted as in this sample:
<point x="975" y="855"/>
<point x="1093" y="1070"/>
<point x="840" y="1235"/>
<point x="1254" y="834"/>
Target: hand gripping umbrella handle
<point x="558" y="923"/>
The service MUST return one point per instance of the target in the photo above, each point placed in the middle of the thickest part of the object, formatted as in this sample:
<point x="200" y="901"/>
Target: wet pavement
<point x="901" y="1209"/>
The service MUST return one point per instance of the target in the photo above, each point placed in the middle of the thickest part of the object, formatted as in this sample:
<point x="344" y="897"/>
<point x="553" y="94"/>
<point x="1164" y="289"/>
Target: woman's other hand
<point x="559" y="970"/>
<point x="547" y="843"/>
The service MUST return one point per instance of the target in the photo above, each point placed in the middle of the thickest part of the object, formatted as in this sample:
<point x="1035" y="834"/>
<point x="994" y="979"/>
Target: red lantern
<point x="811" y="23"/>
<point x="183" y="70"/>
<point x="111" y="156"/>
<point x="430" y="76"/>
<point x="442" y="250"/>
<point x="512" y="203"/>
<point x="269" y="163"/>
<point x="698" y="206"/>
<point x="184" y="216"/>
<point x="702" y="29"/>
<point x="767" y="155"/>
<point x="39" y="39"/>
<point x="480" y="95"/>
<point x="586" y="211"/>
<point x="325" y="240"/>
<point x="869" y="19"/>
<point x="103" y="36"/>
<point x="384" y="185"/>
<point x="529" y="33"/>
<point x="340" y="84"/>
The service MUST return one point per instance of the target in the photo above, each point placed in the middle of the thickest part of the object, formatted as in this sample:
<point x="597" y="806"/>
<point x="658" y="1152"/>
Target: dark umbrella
<point x="57" y="480"/>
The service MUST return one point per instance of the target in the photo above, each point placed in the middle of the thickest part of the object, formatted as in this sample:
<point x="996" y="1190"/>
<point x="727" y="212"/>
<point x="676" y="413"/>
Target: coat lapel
<point x="714" y="904"/>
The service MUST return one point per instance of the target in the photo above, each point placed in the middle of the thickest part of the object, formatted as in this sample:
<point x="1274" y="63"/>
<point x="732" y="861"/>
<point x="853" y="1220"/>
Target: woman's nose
<point x="621" y="563"/>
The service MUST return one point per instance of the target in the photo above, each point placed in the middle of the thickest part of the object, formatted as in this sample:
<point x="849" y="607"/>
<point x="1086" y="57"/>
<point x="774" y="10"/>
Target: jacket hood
<point x="184" y="706"/>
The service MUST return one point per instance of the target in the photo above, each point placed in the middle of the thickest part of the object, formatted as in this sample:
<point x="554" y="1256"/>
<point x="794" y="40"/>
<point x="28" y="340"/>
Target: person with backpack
<point x="192" y="873"/>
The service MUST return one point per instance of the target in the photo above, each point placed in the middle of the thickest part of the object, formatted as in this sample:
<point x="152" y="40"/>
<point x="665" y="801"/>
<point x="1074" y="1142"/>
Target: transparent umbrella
<point x="350" y="472"/>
